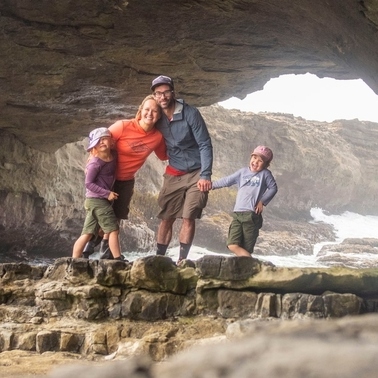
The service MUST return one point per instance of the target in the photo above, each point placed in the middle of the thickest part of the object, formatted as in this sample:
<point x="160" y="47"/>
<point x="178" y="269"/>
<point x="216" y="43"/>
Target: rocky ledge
<point x="96" y="307"/>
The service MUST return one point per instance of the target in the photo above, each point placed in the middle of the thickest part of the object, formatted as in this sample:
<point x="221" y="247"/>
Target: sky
<point x="312" y="98"/>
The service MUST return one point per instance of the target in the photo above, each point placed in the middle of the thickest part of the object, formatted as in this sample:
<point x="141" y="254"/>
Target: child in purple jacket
<point x="99" y="179"/>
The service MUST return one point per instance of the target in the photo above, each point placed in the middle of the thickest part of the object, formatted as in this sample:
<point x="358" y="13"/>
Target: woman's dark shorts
<point x="125" y="190"/>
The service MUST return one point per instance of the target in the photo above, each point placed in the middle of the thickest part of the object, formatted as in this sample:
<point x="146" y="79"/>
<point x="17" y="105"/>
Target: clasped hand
<point x="204" y="185"/>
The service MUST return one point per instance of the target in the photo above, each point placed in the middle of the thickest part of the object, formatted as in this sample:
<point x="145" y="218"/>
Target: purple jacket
<point x="100" y="177"/>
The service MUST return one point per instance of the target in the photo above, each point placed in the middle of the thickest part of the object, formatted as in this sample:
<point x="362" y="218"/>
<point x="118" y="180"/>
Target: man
<point x="187" y="178"/>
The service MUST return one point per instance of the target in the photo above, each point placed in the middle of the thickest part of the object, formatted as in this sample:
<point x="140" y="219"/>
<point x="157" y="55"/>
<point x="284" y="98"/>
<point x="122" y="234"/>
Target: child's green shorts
<point x="244" y="229"/>
<point x="100" y="214"/>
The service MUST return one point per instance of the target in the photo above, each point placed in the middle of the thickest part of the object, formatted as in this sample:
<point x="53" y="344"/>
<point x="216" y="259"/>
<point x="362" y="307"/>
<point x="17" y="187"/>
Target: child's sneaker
<point x="120" y="258"/>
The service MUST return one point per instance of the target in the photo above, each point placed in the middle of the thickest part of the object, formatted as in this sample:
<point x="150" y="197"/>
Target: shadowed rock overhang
<point x="67" y="67"/>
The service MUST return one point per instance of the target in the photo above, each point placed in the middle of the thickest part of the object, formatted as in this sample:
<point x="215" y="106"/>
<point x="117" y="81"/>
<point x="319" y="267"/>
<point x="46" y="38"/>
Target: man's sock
<point x="161" y="249"/>
<point x="184" y="251"/>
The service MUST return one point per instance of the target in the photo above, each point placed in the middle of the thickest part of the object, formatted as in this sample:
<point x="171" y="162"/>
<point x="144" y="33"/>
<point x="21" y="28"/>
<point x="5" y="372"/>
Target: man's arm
<point x="202" y="137"/>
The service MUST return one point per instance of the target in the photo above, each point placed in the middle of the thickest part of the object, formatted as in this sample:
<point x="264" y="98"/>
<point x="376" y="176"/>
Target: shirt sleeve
<point x="271" y="188"/>
<point x="161" y="149"/>
<point x="116" y="129"/>
<point x="202" y="137"/>
<point x="227" y="181"/>
<point x="93" y="169"/>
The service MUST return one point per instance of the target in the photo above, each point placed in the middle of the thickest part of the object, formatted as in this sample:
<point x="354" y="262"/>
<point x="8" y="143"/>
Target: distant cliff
<point x="328" y="165"/>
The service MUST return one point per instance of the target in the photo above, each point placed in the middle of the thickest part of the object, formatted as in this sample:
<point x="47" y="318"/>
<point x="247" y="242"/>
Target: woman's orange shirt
<point x="134" y="145"/>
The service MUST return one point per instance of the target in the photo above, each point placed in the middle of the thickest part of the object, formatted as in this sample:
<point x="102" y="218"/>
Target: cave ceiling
<point x="68" y="66"/>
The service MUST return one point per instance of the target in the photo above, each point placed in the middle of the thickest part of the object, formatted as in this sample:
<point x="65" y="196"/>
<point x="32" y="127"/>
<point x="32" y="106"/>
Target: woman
<point x="135" y="140"/>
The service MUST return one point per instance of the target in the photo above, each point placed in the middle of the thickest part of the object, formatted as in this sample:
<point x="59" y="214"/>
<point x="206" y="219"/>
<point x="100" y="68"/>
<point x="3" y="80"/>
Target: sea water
<point x="345" y="225"/>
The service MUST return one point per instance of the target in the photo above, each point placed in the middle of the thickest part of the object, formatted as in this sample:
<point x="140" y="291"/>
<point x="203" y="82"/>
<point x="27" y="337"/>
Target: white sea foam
<point x="345" y="225"/>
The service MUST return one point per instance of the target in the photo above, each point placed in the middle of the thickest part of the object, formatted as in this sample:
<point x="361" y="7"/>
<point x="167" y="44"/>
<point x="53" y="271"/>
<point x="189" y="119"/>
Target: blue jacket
<point x="188" y="141"/>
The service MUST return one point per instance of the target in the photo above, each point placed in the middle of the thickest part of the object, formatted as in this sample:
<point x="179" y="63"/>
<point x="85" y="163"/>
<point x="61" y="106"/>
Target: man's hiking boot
<point x="179" y="261"/>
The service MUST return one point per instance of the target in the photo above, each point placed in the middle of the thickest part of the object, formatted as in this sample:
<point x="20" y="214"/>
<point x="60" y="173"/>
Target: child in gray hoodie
<point x="256" y="188"/>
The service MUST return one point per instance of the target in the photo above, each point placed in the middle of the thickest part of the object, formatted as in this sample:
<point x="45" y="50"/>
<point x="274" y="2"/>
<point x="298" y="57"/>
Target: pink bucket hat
<point x="264" y="152"/>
